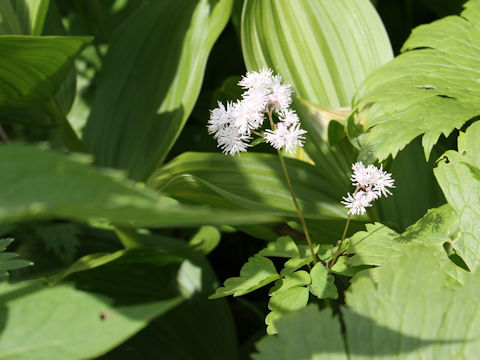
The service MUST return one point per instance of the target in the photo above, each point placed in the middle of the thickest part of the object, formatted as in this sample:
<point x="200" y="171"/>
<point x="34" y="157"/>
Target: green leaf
<point x="43" y="184"/>
<point x="65" y="323"/>
<point x="322" y="285"/>
<point x="325" y="49"/>
<point x="257" y="272"/>
<point x="284" y="246"/>
<point x="304" y="334"/>
<point x="33" y="68"/>
<point x="457" y="178"/>
<point x="297" y="278"/>
<point x="8" y="261"/>
<point x="422" y="91"/>
<point x="145" y="96"/>
<point x="253" y="181"/>
<point x="282" y="303"/>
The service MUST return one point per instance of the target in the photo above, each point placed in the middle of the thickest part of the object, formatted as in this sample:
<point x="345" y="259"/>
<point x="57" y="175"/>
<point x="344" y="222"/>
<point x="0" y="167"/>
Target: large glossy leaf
<point x="39" y="183"/>
<point x="429" y="90"/>
<point x="64" y="323"/>
<point x="252" y="181"/>
<point x="458" y="177"/>
<point x="147" y="93"/>
<point x="33" y="68"/>
<point x="324" y="48"/>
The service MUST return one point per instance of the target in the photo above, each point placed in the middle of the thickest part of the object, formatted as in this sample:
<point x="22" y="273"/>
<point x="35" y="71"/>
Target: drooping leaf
<point x="325" y="49"/>
<point x="322" y="283"/>
<point x="456" y="174"/>
<point x="64" y="323"/>
<point x="131" y="130"/>
<point x="42" y="184"/>
<point x="304" y="334"/>
<point x="252" y="181"/>
<point x="422" y="91"/>
<point x="33" y="68"/>
<point x="257" y="272"/>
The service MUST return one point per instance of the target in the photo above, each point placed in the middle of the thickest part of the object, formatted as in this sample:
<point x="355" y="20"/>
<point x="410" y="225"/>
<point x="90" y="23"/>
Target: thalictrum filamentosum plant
<point x="235" y="125"/>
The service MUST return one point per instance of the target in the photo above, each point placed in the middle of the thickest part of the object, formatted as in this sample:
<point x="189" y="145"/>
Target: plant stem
<point x="341" y="242"/>
<point x="4" y="135"/>
<point x="63" y="127"/>
<point x="300" y="215"/>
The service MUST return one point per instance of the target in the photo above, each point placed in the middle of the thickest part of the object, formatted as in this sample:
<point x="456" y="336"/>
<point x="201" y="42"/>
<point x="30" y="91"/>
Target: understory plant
<point x="348" y="202"/>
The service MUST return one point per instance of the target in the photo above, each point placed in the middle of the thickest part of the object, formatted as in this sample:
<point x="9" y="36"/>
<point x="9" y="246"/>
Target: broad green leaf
<point x="324" y="48"/>
<point x="304" y="334"/>
<point x="252" y="181"/>
<point x="322" y="285"/>
<point x="410" y="312"/>
<point x="257" y="272"/>
<point x="145" y="95"/>
<point x="8" y="261"/>
<point x="33" y="68"/>
<point x="198" y="328"/>
<point x="37" y="183"/>
<point x="456" y="174"/>
<point x="64" y="323"/>
<point x="282" y="303"/>
<point x="297" y="278"/>
<point x="423" y="90"/>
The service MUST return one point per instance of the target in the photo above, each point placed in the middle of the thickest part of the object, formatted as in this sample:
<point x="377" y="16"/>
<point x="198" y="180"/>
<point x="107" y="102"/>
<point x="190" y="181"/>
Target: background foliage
<point x="120" y="218"/>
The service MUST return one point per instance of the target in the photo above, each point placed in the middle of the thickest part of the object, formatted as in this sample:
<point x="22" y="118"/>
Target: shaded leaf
<point x="257" y="272"/>
<point x="282" y="303"/>
<point x="297" y="278"/>
<point x="8" y="261"/>
<point x="322" y="285"/>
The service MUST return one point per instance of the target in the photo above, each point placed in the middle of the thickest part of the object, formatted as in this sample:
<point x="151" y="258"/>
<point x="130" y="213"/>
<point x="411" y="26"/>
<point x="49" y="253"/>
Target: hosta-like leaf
<point x="33" y="68"/>
<point x="257" y="272"/>
<point x="147" y="93"/>
<point x="64" y="323"/>
<point x="456" y="174"/>
<point x="43" y="184"/>
<point x="252" y="181"/>
<point x="423" y="91"/>
<point x="325" y="49"/>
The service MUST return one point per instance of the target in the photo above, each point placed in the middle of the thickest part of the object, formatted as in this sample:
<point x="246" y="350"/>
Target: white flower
<point x="294" y="138"/>
<point x="382" y="180"/>
<point x="357" y="203"/>
<point x="285" y="137"/>
<point x="281" y="94"/>
<point x="289" y="117"/>
<point x="231" y="141"/>
<point x="257" y="79"/>
<point x="219" y="118"/>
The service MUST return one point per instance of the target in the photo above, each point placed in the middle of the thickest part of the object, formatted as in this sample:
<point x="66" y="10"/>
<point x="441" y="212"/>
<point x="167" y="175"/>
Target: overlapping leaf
<point x="429" y="90"/>
<point x="151" y="78"/>
<point x="8" y="260"/>
<point x="39" y="183"/>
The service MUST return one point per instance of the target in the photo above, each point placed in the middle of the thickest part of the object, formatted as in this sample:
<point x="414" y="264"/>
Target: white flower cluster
<point x="265" y="94"/>
<point x="371" y="184"/>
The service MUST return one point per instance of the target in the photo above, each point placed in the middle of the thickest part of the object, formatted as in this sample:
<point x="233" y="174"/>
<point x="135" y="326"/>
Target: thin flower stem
<point x="4" y="135"/>
<point x="341" y="242"/>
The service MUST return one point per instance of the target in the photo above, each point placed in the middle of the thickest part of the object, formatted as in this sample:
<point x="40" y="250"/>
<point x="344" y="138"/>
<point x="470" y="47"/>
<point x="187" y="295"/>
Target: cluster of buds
<point x="264" y="94"/>
<point x="371" y="183"/>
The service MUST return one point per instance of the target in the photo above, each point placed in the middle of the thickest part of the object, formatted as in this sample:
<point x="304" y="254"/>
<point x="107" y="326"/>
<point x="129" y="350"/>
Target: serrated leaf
<point x="8" y="261"/>
<point x="37" y="183"/>
<point x="304" y="334"/>
<point x="461" y="189"/>
<point x="284" y="302"/>
<point x="422" y="91"/>
<point x="84" y="326"/>
<point x="284" y="246"/>
<point x="297" y="278"/>
<point x="322" y="285"/>
<point x="33" y="68"/>
<point x="127" y="129"/>
<point x="257" y="272"/>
